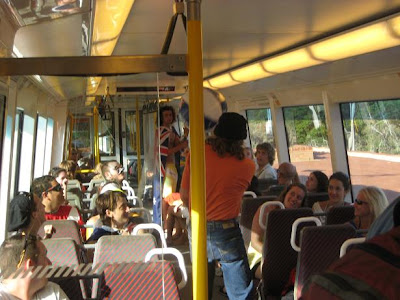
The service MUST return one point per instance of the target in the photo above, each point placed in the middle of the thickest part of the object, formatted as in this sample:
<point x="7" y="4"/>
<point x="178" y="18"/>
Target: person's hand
<point x="48" y="231"/>
<point x="185" y="131"/>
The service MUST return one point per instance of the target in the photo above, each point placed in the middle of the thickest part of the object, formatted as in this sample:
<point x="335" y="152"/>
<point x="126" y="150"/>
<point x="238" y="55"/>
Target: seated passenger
<point x="384" y="222"/>
<point x="69" y="166"/>
<point x="265" y="155"/>
<point x="113" y="209"/>
<point x="292" y="196"/>
<point x="26" y="214"/>
<point x="338" y="187"/>
<point x="287" y="175"/>
<point x="22" y="252"/>
<point x="51" y="194"/>
<point x="112" y="171"/>
<point x="370" y="203"/>
<point x="60" y="175"/>
<point x="317" y="182"/>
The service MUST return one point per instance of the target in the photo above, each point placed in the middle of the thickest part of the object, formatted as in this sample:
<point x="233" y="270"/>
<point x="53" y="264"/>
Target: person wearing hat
<point x="228" y="174"/>
<point x="26" y="214"/>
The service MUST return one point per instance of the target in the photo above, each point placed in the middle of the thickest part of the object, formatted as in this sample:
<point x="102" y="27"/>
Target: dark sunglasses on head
<point x="28" y="239"/>
<point x="57" y="188"/>
<point x="359" y="202"/>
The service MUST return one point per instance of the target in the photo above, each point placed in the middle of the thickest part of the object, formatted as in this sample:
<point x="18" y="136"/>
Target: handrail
<point x="295" y="224"/>
<point x="349" y="242"/>
<point x="178" y="255"/>
<point x="151" y="226"/>
<point x="262" y="211"/>
<point x="250" y="193"/>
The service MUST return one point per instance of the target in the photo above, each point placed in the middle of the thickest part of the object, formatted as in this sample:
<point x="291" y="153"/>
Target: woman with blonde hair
<point x="370" y="203"/>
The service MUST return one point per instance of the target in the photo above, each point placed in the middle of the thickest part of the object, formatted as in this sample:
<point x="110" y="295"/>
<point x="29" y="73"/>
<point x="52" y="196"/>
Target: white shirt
<point x="51" y="291"/>
<point x="267" y="172"/>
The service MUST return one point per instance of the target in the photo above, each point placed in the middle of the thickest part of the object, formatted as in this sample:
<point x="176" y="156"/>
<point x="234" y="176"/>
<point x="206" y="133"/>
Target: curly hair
<point x="166" y="108"/>
<point x="223" y="146"/>
<point x="286" y="190"/>
<point x="267" y="147"/>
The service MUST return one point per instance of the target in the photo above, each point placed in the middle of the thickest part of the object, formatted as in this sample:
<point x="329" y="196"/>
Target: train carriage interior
<point x="84" y="80"/>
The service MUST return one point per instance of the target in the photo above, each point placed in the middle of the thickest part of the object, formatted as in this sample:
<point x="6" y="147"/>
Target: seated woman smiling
<point x="293" y="196"/>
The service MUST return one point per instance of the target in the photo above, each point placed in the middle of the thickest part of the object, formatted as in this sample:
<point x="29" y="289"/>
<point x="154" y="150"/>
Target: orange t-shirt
<point x="227" y="179"/>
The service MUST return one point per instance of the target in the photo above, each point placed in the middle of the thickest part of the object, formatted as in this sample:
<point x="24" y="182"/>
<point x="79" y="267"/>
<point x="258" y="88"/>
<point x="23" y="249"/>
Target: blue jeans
<point x="157" y="199"/>
<point x="225" y="245"/>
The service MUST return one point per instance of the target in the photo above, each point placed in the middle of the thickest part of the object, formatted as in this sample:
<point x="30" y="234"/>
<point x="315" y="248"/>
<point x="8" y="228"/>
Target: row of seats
<point x="320" y="246"/>
<point x="109" y="251"/>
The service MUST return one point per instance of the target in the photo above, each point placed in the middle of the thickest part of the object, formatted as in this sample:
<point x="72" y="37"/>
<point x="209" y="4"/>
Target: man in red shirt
<point x="228" y="175"/>
<point x="51" y="193"/>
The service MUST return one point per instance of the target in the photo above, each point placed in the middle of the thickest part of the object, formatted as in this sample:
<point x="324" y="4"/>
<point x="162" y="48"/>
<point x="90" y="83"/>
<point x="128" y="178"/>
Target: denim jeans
<point x="225" y="245"/>
<point x="157" y="199"/>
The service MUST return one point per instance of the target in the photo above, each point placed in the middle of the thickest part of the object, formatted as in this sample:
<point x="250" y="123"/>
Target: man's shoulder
<point x="52" y="291"/>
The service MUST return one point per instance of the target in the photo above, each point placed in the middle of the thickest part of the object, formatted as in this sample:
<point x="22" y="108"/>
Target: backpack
<point x="368" y="271"/>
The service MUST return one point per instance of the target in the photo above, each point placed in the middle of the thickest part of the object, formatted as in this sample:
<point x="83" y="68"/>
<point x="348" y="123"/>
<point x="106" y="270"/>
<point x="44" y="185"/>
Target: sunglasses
<point x="28" y="239"/>
<point x="119" y="169"/>
<point x="57" y="188"/>
<point x="359" y="202"/>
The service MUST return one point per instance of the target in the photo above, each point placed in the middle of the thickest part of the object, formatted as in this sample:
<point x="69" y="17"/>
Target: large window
<point x="260" y="127"/>
<point x="372" y="136"/>
<point x="2" y="121"/>
<point x="49" y="144"/>
<point x="25" y="163"/>
<point x="40" y="147"/>
<point x="307" y="139"/>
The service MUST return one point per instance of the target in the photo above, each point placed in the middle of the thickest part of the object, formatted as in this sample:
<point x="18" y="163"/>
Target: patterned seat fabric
<point x="64" y="252"/>
<point x="340" y="215"/>
<point x="279" y="257"/>
<point x="315" y="197"/>
<point x="152" y="280"/>
<point x="320" y="247"/>
<point x="63" y="229"/>
<point x="248" y="210"/>
<point x="123" y="248"/>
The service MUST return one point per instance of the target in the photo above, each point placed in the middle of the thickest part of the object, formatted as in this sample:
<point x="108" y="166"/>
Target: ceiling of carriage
<point x="234" y="32"/>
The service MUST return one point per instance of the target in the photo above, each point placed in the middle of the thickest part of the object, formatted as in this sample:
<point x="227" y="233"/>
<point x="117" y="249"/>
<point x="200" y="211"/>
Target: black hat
<point x="231" y="126"/>
<point x="20" y="212"/>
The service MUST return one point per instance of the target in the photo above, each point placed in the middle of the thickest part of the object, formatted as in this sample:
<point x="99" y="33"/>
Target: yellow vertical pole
<point x="96" y="135"/>
<point x="138" y="146"/>
<point x="197" y="161"/>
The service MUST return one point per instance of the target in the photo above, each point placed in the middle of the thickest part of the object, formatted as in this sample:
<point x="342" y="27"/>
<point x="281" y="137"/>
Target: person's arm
<point x="179" y="147"/>
<point x="257" y="233"/>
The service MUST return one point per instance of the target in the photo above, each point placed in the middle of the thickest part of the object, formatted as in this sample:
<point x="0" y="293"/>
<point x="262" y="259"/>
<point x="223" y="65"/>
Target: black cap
<point x="231" y="126"/>
<point x="20" y="212"/>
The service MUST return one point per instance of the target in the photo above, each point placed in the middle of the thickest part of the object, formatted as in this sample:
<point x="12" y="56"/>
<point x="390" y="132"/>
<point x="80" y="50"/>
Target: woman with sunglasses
<point x="370" y="203"/>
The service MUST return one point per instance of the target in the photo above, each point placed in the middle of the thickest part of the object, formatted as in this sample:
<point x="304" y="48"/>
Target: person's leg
<point x="170" y="222"/>
<point x="234" y="263"/>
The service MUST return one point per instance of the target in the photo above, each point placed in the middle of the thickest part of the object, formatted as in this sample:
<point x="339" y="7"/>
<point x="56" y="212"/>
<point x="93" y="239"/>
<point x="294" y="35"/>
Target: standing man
<point x="228" y="174"/>
<point x="168" y="145"/>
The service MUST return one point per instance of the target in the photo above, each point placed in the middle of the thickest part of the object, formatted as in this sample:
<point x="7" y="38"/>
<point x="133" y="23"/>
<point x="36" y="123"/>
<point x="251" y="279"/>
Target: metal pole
<point x="197" y="161"/>
<point x="138" y="146"/>
<point x="96" y="135"/>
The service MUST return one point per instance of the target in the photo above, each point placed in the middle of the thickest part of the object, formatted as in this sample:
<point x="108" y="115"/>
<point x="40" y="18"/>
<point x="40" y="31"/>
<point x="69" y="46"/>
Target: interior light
<point x="222" y="81"/>
<point x="38" y="78"/>
<point x="206" y="84"/>
<point x="364" y="40"/>
<point x="250" y="73"/>
<point x="290" y="61"/>
<point x="373" y="37"/>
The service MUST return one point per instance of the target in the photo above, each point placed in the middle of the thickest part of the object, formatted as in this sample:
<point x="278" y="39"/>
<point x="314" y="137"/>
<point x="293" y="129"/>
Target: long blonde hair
<point x="376" y="199"/>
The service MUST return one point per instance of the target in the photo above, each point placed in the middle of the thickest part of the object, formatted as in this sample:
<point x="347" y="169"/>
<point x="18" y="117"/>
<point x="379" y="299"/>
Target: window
<point x="25" y="163"/>
<point x="260" y="128"/>
<point x="49" y="144"/>
<point x="2" y="122"/>
<point x="307" y="139"/>
<point x="372" y="137"/>
<point x="40" y="147"/>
